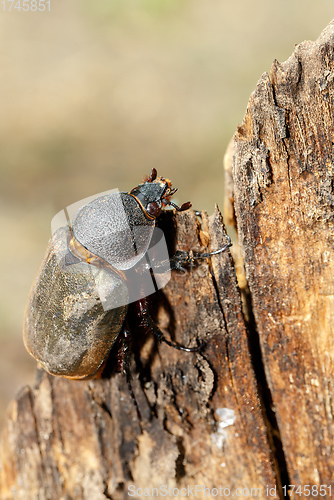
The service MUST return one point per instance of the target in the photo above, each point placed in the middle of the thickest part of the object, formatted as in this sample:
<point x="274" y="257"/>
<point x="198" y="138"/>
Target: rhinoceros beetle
<point x="67" y="327"/>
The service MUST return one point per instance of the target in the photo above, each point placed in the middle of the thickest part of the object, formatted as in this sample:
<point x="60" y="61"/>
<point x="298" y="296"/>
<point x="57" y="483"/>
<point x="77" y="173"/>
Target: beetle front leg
<point x="183" y="259"/>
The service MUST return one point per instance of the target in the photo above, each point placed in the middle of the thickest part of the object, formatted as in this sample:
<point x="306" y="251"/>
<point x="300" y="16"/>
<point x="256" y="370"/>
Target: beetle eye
<point x="153" y="209"/>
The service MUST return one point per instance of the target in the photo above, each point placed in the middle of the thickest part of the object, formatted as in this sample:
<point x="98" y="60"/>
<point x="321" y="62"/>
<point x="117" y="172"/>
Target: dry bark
<point x="84" y="440"/>
<point x="283" y="199"/>
<point x="68" y="439"/>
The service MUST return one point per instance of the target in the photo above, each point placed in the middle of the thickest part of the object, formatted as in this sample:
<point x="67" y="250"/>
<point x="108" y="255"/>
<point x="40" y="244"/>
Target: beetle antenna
<point x="153" y="175"/>
<point x="182" y="208"/>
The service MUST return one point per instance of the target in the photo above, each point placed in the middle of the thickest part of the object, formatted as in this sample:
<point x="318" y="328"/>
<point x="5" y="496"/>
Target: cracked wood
<point x="284" y="201"/>
<point x="83" y="439"/>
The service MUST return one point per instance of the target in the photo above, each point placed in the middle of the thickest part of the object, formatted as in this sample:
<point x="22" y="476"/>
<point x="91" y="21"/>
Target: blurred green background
<point x="94" y="94"/>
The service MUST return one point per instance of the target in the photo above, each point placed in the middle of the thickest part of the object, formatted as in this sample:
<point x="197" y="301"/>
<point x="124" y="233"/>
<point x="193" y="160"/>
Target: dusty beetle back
<point x="66" y="328"/>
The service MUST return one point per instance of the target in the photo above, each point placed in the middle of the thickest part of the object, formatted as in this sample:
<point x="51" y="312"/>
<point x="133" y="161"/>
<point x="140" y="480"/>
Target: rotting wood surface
<point x="283" y="166"/>
<point x="83" y="440"/>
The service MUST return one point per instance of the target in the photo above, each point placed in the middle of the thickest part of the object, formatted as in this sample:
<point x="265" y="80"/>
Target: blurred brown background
<point x="94" y="94"/>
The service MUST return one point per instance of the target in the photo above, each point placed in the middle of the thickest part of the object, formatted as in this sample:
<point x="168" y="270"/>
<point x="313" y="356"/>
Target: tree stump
<point x="283" y="188"/>
<point x="252" y="412"/>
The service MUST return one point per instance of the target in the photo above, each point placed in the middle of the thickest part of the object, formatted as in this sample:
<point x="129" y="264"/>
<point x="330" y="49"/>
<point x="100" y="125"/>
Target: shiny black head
<point x="154" y="194"/>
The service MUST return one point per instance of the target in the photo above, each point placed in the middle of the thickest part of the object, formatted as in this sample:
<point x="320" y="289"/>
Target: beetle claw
<point x="216" y="252"/>
<point x="181" y="347"/>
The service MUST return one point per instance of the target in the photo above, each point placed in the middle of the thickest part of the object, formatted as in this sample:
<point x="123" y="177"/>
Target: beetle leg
<point x="182" y="259"/>
<point x="123" y="350"/>
<point x="204" y="255"/>
<point x="123" y="362"/>
<point x="148" y="323"/>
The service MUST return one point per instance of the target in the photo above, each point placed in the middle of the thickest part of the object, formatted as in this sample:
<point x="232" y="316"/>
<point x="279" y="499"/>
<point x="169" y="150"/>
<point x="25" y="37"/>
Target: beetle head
<point x="154" y="194"/>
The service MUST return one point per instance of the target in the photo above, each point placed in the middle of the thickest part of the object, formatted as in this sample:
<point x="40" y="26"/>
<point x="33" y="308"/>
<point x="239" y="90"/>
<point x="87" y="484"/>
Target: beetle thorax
<point x="153" y="195"/>
<point x="152" y="192"/>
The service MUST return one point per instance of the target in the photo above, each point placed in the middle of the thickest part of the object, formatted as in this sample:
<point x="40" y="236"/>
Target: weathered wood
<point x="283" y="194"/>
<point x="83" y="440"/>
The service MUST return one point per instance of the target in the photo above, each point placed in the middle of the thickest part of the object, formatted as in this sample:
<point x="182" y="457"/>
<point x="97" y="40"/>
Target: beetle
<point x="67" y="326"/>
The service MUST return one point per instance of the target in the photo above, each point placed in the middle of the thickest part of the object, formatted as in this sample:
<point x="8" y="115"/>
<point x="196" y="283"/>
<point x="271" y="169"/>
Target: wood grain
<point x="283" y="190"/>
